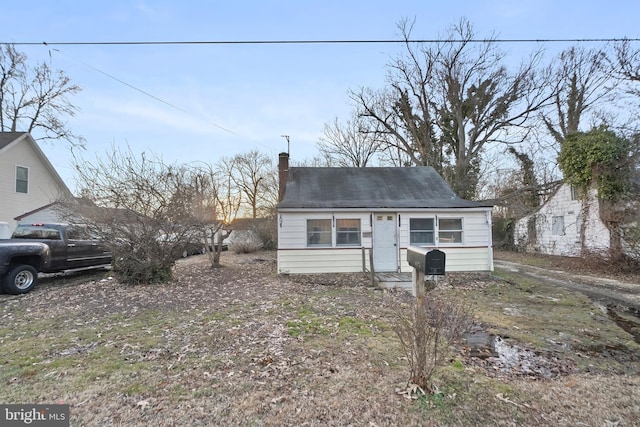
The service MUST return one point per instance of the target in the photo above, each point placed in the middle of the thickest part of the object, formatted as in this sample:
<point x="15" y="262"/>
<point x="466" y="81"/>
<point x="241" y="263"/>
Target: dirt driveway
<point x="605" y="291"/>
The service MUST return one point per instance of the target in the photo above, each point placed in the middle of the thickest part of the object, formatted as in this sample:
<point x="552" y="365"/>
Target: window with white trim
<point x="421" y="231"/>
<point x="22" y="179"/>
<point x="319" y="232"/>
<point x="450" y="230"/>
<point x="347" y="232"/>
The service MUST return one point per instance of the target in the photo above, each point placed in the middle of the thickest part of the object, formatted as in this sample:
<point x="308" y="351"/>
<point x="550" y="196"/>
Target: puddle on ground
<point x="494" y="353"/>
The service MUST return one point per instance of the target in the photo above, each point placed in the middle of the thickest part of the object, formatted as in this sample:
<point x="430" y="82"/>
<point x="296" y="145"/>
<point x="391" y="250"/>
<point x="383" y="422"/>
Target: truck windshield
<point x="36" y="232"/>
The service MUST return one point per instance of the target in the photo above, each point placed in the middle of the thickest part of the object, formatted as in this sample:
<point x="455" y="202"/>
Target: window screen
<point x="450" y="230"/>
<point x="421" y="231"/>
<point x="348" y="232"/>
<point x="318" y="232"/>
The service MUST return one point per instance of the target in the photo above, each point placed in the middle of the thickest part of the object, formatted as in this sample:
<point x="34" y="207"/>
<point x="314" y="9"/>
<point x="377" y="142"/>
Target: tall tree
<point x="349" y="144"/>
<point x="626" y="61"/>
<point x="446" y="101"/>
<point x="35" y="99"/>
<point x="252" y="173"/>
<point x="603" y="160"/>
<point x="582" y="78"/>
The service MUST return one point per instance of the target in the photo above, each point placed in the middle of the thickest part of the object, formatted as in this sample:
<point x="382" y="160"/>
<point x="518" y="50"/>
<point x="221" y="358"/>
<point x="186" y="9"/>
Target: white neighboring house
<point x="555" y="227"/>
<point x="326" y="217"/>
<point x="28" y="181"/>
<point x="51" y="213"/>
<point x="5" y="232"/>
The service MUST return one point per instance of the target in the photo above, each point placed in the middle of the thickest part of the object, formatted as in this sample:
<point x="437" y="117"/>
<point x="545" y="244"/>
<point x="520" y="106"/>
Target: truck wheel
<point x="20" y="280"/>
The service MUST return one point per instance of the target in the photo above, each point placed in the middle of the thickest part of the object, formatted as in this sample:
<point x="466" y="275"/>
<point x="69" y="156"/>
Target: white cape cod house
<point x="328" y="216"/>
<point x="28" y="181"/>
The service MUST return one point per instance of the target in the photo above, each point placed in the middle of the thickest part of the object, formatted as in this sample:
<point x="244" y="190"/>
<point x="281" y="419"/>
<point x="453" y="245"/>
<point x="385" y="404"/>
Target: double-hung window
<point x="421" y="231"/>
<point x="318" y="232"/>
<point x="450" y="230"/>
<point x="347" y="232"/>
<point x="22" y="179"/>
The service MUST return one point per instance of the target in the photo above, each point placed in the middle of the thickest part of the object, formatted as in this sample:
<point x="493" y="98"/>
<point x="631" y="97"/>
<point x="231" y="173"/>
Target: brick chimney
<point x="283" y="174"/>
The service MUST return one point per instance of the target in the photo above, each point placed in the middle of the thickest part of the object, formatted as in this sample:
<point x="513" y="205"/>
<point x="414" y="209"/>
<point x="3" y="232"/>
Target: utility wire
<point x="147" y="93"/>
<point x="259" y="42"/>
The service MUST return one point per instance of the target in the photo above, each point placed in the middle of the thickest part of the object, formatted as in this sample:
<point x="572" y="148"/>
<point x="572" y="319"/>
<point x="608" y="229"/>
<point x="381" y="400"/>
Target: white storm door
<point x="385" y="242"/>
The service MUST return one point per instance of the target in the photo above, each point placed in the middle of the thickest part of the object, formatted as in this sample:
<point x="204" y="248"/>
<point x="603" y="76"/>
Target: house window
<point x="421" y="231"/>
<point x="348" y="232"/>
<point x="22" y="179"/>
<point x="450" y="230"/>
<point x="318" y="232"/>
<point x="557" y="226"/>
<point x="574" y="192"/>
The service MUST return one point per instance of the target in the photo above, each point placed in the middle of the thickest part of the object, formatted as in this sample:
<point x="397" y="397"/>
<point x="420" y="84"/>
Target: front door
<point x="385" y="242"/>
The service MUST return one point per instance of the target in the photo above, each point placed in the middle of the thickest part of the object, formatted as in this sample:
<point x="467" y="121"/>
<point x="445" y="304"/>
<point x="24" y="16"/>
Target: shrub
<point x="132" y="271"/>
<point x="244" y="247"/>
<point x="427" y="327"/>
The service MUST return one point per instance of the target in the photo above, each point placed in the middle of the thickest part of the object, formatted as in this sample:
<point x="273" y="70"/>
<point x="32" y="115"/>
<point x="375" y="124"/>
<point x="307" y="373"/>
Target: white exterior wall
<point x="474" y="254"/>
<point x="567" y="243"/>
<point x="5" y="233"/>
<point x="460" y="259"/>
<point x="46" y="215"/>
<point x="292" y="227"/>
<point x="44" y="187"/>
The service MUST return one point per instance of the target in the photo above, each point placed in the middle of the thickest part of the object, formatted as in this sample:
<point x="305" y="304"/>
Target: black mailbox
<point x="430" y="262"/>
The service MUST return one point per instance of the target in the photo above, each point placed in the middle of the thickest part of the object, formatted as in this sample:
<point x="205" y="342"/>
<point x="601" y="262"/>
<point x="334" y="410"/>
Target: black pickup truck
<point x="46" y="248"/>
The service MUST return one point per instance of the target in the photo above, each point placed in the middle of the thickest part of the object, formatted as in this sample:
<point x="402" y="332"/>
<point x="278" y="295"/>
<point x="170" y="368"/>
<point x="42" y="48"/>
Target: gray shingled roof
<point x="7" y="138"/>
<point x="377" y="188"/>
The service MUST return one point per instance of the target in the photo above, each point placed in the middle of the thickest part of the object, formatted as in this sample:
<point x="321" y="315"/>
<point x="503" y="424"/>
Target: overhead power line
<point x="144" y="92"/>
<point x="366" y="41"/>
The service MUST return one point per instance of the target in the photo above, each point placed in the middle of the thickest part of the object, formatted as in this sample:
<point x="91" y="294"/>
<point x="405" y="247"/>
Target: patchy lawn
<point x="240" y="345"/>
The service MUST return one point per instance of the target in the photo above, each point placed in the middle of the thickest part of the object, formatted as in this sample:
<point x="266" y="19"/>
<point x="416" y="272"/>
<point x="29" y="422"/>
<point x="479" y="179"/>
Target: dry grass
<point x="593" y="264"/>
<point x="240" y="345"/>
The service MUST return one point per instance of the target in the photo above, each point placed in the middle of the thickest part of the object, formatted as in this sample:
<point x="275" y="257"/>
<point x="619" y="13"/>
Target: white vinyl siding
<point x="476" y="227"/>
<point x="459" y="259"/>
<point x="44" y="186"/>
<point x="295" y="256"/>
<point x="327" y="260"/>
<point x="293" y="231"/>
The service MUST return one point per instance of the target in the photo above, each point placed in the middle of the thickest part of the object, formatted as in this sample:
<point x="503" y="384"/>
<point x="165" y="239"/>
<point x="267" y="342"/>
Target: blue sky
<point x="229" y="99"/>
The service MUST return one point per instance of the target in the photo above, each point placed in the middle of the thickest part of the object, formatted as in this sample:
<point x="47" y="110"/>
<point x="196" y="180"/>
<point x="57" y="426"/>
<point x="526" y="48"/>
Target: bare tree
<point x="582" y="78"/>
<point x="445" y="102"/>
<point x="252" y="173"/>
<point x="35" y="100"/>
<point x="219" y="200"/>
<point x="349" y="144"/>
<point x="148" y="211"/>
<point x="626" y="61"/>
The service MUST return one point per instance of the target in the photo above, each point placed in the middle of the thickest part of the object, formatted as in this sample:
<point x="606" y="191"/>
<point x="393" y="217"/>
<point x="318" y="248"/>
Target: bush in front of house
<point x="245" y="247"/>
<point x="245" y="242"/>
<point x="427" y="329"/>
